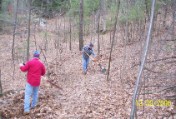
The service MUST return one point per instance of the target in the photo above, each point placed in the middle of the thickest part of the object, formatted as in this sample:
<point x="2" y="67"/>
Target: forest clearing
<point x="130" y="70"/>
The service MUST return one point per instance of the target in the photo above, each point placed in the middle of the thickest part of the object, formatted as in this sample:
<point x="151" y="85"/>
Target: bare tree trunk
<point x="13" y="41"/>
<point x="14" y="31"/>
<point x="127" y="26"/>
<point x="35" y="37"/>
<point x="123" y="65"/>
<point x="0" y="5"/>
<point x="137" y="86"/>
<point x="173" y="26"/>
<point x="113" y="39"/>
<point x="70" y="46"/>
<point x="110" y="36"/>
<point x="97" y="17"/>
<point x="46" y="39"/>
<point x="111" y="33"/>
<point x="101" y="17"/>
<point x="98" y="48"/>
<point x="173" y="18"/>
<point x="165" y="15"/>
<point x="64" y="30"/>
<point x="146" y="7"/>
<point x="127" y="32"/>
<point x="0" y="12"/>
<point x="131" y="32"/>
<point x="81" y="26"/>
<point x="57" y="46"/>
<point x="28" y="38"/>
<point x="103" y="14"/>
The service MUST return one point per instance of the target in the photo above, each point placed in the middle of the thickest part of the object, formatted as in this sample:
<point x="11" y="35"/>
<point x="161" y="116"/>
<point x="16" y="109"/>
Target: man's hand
<point x="21" y="64"/>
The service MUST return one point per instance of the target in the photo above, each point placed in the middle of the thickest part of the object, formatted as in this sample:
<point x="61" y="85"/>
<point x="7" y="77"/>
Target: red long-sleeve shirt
<point x="35" y="69"/>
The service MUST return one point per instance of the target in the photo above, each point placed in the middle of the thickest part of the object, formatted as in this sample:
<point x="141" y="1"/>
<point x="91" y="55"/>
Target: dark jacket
<point x="87" y="51"/>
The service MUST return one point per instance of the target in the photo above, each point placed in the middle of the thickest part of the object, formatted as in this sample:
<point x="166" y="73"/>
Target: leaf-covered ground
<point x="65" y="93"/>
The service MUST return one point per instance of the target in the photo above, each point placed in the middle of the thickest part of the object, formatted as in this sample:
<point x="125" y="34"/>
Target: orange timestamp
<point x="150" y="103"/>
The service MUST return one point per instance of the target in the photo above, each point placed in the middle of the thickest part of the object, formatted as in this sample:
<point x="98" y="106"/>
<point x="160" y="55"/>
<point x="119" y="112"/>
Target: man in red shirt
<point x="35" y="69"/>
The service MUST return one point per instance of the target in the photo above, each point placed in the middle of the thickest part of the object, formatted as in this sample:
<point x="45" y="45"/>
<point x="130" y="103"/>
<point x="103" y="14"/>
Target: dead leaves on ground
<point x="45" y="108"/>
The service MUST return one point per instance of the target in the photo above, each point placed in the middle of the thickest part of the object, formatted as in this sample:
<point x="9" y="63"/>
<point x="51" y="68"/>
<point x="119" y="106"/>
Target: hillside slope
<point x="67" y="93"/>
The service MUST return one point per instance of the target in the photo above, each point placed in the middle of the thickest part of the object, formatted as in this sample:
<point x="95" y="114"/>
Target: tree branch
<point x="157" y="60"/>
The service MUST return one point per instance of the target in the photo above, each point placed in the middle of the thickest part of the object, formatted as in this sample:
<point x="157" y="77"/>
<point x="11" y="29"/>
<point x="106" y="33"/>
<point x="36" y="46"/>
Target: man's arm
<point x="25" y="67"/>
<point x="43" y="70"/>
<point x="93" y="53"/>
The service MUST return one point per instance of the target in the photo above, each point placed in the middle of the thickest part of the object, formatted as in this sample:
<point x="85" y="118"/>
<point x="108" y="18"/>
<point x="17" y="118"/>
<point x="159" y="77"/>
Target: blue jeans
<point x="85" y="62"/>
<point x="30" y="91"/>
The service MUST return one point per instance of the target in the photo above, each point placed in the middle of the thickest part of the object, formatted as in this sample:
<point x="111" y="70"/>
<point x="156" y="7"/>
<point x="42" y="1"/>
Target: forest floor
<point x="67" y="93"/>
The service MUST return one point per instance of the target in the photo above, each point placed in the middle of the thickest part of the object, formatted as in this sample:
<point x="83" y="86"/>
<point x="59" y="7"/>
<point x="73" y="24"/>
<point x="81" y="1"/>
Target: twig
<point x="170" y="40"/>
<point x="54" y="84"/>
<point x="145" y="68"/>
<point x="0" y="85"/>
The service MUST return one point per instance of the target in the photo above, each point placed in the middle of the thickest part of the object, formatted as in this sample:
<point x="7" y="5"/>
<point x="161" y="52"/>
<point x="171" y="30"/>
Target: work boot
<point x="26" y="113"/>
<point x="84" y="72"/>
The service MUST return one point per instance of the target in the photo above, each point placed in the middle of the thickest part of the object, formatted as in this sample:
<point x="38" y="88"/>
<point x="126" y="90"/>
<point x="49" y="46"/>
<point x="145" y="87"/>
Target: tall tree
<point x="146" y="9"/>
<point x="29" y="21"/>
<point x="0" y="4"/>
<point x="173" y="26"/>
<point x="81" y="17"/>
<point x="103" y="14"/>
<point x="0" y="13"/>
<point x="113" y="38"/>
<point x="70" y="43"/>
<point x="14" y="30"/>
<point x="98" y="29"/>
<point x="133" y="110"/>
<point x="101" y="17"/>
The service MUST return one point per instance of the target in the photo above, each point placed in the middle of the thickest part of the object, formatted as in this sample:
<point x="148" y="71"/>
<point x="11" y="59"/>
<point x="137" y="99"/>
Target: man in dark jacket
<point x="86" y="52"/>
<point x="35" y="69"/>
